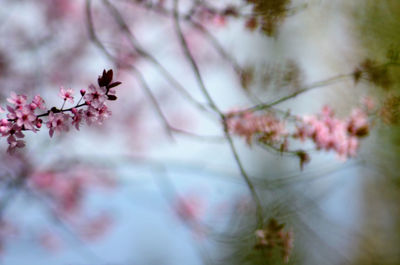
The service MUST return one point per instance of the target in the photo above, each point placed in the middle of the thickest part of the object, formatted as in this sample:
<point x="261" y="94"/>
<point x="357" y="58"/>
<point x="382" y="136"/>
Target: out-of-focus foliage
<point x="378" y="27"/>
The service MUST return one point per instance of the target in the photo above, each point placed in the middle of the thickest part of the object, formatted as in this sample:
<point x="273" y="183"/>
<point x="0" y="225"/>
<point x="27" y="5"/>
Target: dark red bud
<point x="106" y="78"/>
<point x="113" y="85"/>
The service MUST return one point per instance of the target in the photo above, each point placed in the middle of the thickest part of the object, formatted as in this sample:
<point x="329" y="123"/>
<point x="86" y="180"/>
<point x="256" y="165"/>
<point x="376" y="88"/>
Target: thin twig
<point x="191" y="59"/>
<point x="320" y="84"/>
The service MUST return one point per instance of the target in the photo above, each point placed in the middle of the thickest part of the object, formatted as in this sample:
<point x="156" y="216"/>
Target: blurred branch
<point x="319" y="84"/>
<point x="142" y="52"/>
<point x="196" y="25"/>
<point x="170" y="193"/>
<point x="196" y="71"/>
<point x="168" y="128"/>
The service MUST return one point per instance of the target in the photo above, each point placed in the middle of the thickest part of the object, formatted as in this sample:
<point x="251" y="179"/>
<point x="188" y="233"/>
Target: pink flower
<point x="330" y="133"/>
<point x="77" y="118"/>
<point x="91" y="115"/>
<point x="21" y="115"/>
<point x="67" y="94"/>
<point x="11" y="113"/>
<point x="18" y="100"/>
<point x="266" y="126"/>
<point x="103" y="114"/>
<point x="14" y="132"/>
<point x="4" y="127"/>
<point x="358" y="123"/>
<point x="38" y="102"/>
<point x="57" y="122"/>
<point x="95" y="96"/>
<point x="25" y="118"/>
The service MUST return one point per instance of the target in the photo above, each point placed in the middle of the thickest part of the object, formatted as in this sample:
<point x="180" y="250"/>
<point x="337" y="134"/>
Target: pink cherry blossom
<point x="25" y="118"/>
<point x="57" y="122"/>
<point x="358" y="123"/>
<point x="67" y="94"/>
<point x="77" y="118"/>
<point x="4" y="127"/>
<point x="38" y="102"/>
<point x="95" y="96"/>
<point x="248" y="125"/>
<point x="103" y="114"/>
<point x="14" y="143"/>
<point x="18" y="100"/>
<point x="330" y="133"/>
<point x="90" y="115"/>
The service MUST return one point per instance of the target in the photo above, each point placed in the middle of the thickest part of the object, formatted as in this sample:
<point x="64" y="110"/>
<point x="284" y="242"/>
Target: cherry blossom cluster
<point x="273" y="237"/>
<point x="328" y="132"/>
<point x="268" y="128"/>
<point x="331" y="133"/>
<point x="23" y="115"/>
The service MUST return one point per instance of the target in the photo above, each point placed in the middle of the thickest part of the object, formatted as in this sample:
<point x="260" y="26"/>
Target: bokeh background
<point x="130" y="192"/>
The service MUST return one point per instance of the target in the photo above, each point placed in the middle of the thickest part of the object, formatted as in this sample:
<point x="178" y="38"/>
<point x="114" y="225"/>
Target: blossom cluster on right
<point x="325" y="130"/>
